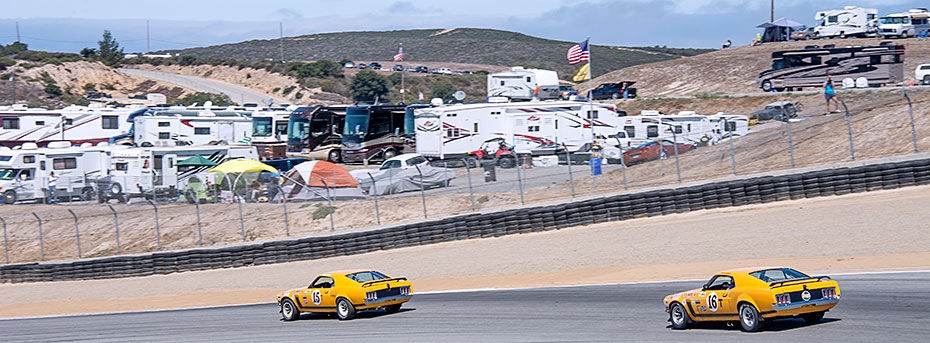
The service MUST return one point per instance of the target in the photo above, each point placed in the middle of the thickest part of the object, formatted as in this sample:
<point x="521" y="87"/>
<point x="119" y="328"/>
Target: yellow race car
<point x="346" y="293"/>
<point x="753" y="296"/>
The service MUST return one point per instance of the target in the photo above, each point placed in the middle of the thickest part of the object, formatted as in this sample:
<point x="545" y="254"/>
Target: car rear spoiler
<point x="369" y="283"/>
<point x="783" y="283"/>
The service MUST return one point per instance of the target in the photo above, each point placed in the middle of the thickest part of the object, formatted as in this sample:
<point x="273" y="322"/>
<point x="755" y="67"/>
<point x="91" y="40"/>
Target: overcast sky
<point x="69" y="25"/>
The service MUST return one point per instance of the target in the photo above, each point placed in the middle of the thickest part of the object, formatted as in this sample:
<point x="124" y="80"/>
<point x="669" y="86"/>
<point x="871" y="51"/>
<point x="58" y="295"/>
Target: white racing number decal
<point x="712" y="301"/>
<point x="316" y="297"/>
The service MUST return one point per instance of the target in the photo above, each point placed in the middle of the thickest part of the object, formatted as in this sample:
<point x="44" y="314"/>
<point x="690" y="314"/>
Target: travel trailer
<point x="153" y="171"/>
<point x="269" y="132"/>
<point x="77" y="124"/>
<point x="168" y="128"/>
<point x="315" y="132"/>
<point x="795" y="69"/>
<point x="373" y="132"/>
<point x="25" y="172"/>
<point x="521" y="84"/>
<point x="913" y="23"/>
<point x="538" y="127"/>
<point x="851" y="21"/>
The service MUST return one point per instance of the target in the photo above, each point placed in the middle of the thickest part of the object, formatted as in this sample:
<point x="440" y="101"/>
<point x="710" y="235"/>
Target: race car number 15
<point x="711" y="302"/>
<point x="316" y="297"/>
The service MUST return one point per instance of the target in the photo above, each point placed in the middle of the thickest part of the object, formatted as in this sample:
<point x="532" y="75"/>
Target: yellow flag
<point x="583" y="73"/>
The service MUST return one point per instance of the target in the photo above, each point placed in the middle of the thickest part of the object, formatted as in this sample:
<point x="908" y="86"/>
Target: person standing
<point x="52" y="189"/>
<point x="829" y="93"/>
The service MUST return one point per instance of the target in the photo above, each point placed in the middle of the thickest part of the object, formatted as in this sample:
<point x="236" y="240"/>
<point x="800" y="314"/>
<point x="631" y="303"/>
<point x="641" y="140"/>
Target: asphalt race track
<point x="889" y="307"/>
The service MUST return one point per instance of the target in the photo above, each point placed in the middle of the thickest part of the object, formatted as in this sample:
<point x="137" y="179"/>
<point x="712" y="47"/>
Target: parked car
<point x="362" y="66"/>
<point x="345" y="293"/>
<point x="566" y="91"/>
<point x="922" y="73"/>
<point x="422" y="69"/>
<point x="805" y="34"/>
<point x="655" y="150"/>
<point x="410" y="69"/>
<point x="398" y="67"/>
<point x="445" y="71"/>
<point x="779" y="110"/>
<point x="374" y="66"/>
<point x="615" y="90"/>
<point x="348" y="65"/>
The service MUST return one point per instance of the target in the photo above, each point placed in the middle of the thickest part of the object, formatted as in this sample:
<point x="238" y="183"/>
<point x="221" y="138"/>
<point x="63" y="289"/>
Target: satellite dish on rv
<point x="459" y="95"/>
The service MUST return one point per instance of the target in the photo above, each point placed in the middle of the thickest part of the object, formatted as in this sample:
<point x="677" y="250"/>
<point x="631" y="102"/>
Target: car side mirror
<point x="704" y="287"/>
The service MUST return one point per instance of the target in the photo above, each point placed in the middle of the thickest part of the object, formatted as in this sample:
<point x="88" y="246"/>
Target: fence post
<point x="157" y="227"/>
<point x="568" y="162"/>
<point x="77" y="232"/>
<point x="287" y="223"/>
<point x="374" y="190"/>
<point x="422" y="191"/>
<point x="622" y="163"/>
<point x="199" y="231"/>
<point x="6" y="247"/>
<point x="329" y="198"/>
<point x="790" y="143"/>
<point x="116" y="224"/>
<point x="910" y="109"/>
<point x="732" y="153"/>
<point x="852" y="150"/>
<point x="41" y="239"/>
<point x="471" y="191"/>
<point x="677" y="163"/>
<point x="241" y="220"/>
<point x="520" y="180"/>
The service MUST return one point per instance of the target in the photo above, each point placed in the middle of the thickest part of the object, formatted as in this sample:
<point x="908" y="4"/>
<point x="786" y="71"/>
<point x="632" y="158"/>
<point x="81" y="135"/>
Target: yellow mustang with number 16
<point x="345" y="293"/>
<point x="754" y="295"/>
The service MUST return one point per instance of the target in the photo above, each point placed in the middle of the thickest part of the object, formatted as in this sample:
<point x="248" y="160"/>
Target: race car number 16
<point x="711" y="302"/>
<point x="316" y="297"/>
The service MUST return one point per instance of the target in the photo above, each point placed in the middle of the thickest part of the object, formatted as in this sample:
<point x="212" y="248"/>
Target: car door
<point x="717" y="299"/>
<point x="319" y="295"/>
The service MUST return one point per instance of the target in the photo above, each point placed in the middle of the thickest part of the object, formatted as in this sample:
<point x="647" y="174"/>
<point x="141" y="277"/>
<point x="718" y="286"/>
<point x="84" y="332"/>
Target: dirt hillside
<point x="74" y="76"/>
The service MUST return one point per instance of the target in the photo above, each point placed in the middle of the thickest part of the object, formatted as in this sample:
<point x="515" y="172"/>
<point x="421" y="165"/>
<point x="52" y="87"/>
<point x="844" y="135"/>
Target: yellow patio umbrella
<point x="242" y="166"/>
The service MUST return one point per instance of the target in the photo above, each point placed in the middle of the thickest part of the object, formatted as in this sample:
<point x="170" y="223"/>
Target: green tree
<point x="88" y="52"/>
<point x="13" y="48"/>
<point x="201" y="98"/>
<point x="187" y="60"/>
<point x="318" y="69"/>
<point x="108" y="50"/>
<point x="368" y="85"/>
<point x="443" y="91"/>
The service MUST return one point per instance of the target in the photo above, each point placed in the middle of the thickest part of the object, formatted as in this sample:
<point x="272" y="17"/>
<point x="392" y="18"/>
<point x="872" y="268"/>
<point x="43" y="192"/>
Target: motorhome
<point x="851" y="21"/>
<point x="153" y="171"/>
<point x="913" y="23"/>
<point x="520" y="83"/>
<point x="170" y="128"/>
<point x="795" y="69"/>
<point x="25" y="172"/>
<point x="315" y="132"/>
<point x="537" y="127"/>
<point x="77" y="124"/>
<point x="373" y="132"/>
<point x="269" y="132"/>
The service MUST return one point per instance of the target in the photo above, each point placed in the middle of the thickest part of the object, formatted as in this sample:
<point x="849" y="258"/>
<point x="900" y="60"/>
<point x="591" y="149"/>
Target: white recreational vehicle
<point x="912" y="23"/>
<point x="142" y="172"/>
<point x="191" y="127"/>
<point x="269" y="131"/>
<point x="521" y="84"/>
<point x="536" y="127"/>
<point x="686" y="126"/>
<point x="77" y="124"/>
<point x="851" y="21"/>
<point x="25" y="172"/>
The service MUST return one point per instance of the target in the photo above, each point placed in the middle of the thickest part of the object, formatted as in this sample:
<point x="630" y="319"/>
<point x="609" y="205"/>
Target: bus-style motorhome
<point x="315" y="132"/>
<point x="796" y="69"/>
<point x="373" y="132"/>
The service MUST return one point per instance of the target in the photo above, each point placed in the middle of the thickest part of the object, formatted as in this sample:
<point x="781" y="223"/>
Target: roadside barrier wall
<point x="754" y="190"/>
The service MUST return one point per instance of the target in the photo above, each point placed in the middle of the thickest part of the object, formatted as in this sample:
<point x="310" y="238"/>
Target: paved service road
<point x="236" y="93"/>
<point x="874" y="308"/>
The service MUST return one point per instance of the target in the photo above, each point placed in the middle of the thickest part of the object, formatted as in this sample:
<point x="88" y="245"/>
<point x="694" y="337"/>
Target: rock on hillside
<point x="735" y="70"/>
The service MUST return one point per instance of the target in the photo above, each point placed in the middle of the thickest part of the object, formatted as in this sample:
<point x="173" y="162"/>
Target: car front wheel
<point x="927" y="79"/>
<point x="749" y="318"/>
<point x="289" y="311"/>
<point x="679" y="317"/>
<point x="344" y="309"/>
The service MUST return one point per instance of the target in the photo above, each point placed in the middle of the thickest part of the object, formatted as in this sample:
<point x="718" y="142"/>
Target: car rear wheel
<point x="615" y="96"/>
<point x="679" y="317"/>
<point x="749" y="318"/>
<point x="472" y="162"/>
<point x="812" y="318"/>
<point x="767" y="85"/>
<point x="344" y="309"/>
<point x="289" y="311"/>
<point x="507" y="162"/>
<point x="393" y="308"/>
<point x="388" y="154"/>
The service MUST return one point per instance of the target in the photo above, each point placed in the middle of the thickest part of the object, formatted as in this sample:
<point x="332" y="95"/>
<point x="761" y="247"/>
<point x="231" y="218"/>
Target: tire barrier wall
<point x="761" y="189"/>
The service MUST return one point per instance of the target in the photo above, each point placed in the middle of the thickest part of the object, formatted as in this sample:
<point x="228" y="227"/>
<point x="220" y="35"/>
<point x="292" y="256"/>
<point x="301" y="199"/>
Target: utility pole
<point x="772" y="15"/>
<point x="17" y="32"/>
<point x="281" y="38"/>
<point x="148" y="47"/>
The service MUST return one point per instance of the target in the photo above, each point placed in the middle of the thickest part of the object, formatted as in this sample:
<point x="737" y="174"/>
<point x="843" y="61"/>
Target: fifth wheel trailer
<point x="791" y="69"/>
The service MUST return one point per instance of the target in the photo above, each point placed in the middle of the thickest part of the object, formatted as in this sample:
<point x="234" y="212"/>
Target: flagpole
<point x="403" y="91"/>
<point x="590" y="90"/>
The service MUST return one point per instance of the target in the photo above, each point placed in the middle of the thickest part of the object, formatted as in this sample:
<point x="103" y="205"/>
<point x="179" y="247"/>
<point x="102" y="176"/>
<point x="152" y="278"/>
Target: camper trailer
<point x="521" y="84"/>
<point x="851" y="21"/>
<point x="795" y="69"/>
<point x="77" y="124"/>
<point x="25" y="172"/>
<point x="537" y="128"/>
<point x="912" y="23"/>
<point x="153" y="171"/>
<point x="191" y="128"/>
<point x="269" y="132"/>
<point x="314" y="132"/>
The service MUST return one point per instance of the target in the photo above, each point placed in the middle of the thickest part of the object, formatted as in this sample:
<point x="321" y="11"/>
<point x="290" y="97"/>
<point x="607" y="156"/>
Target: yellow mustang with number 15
<point x="345" y="293"/>
<point x="752" y="296"/>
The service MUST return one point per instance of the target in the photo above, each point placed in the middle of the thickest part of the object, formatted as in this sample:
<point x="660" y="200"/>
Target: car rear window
<point x="362" y="277"/>
<point x="415" y="161"/>
<point x="772" y="275"/>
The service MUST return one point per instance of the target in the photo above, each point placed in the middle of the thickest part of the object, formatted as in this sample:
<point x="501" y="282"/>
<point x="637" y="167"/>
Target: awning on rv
<point x="197" y="161"/>
<point x="243" y="166"/>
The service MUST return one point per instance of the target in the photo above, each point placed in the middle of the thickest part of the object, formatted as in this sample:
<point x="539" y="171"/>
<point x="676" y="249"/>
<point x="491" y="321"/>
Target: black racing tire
<point x="749" y="318"/>
<point x="678" y="316"/>
<point x="507" y="162"/>
<point x="812" y="318"/>
<point x="393" y="308"/>
<point x="344" y="309"/>
<point x="388" y="154"/>
<point x="767" y="85"/>
<point x="289" y="311"/>
<point x="9" y="197"/>
<point x="335" y="156"/>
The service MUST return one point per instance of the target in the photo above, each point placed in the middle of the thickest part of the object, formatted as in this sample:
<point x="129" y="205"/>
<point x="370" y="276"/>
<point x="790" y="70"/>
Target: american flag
<point x="579" y="53"/>
<point x="400" y="54"/>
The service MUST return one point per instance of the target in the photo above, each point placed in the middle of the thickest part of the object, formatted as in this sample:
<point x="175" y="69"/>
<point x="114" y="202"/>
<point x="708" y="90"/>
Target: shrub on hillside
<point x="368" y="86"/>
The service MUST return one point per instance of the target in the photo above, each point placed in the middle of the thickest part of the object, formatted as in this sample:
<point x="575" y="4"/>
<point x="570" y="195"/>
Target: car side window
<point x="323" y="282"/>
<point x="391" y="164"/>
<point x="719" y="283"/>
